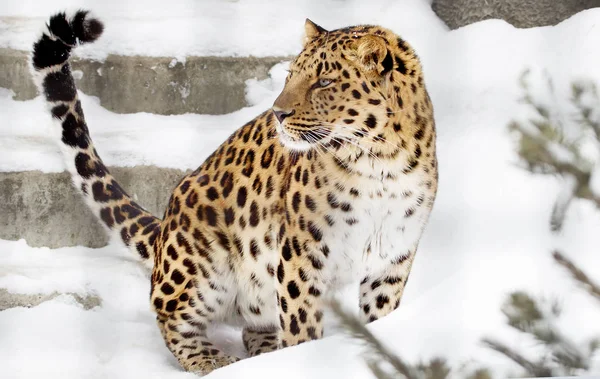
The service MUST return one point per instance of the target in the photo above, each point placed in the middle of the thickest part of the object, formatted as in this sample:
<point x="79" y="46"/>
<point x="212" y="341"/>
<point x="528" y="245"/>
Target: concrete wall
<point x="46" y="210"/>
<point x="11" y="300"/>
<point x="129" y="84"/>
<point x="520" y="13"/>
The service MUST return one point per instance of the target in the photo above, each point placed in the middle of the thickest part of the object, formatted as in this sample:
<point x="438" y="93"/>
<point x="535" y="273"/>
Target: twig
<point x="377" y="371"/>
<point x="531" y="367"/>
<point x="359" y="331"/>
<point x="587" y="283"/>
<point x="537" y="155"/>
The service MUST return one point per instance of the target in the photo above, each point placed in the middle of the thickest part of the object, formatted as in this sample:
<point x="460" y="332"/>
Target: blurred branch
<point x="545" y="149"/>
<point x="532" y="368"/>
<point x="375" y="367"/>
<point x="437" y="368"/>
<point x="359" y="331"/>
<point x="525" y="315"/>
<point x="579" y="90"/>
<point x="577" y="274"/>
<point x="481" y="373"/>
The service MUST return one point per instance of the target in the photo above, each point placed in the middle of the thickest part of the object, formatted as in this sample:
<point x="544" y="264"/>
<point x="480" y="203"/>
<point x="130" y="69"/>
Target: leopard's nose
<point x="282" y="114"/>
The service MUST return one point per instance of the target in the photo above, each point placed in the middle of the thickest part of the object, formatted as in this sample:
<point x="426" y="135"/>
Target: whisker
<point x="350" y="139"/>
<point x="345" y="136"/>
<point x="364" y="133"/>
<point x="360" y="147"/>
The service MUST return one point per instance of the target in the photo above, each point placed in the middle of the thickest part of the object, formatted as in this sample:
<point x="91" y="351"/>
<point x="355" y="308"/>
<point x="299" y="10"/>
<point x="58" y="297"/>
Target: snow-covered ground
<point x="488" y="233"/>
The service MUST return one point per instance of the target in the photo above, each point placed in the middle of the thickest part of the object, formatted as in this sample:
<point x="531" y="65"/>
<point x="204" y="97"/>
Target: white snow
<point x="488" y="234"/>
<point x="181" y="28"/>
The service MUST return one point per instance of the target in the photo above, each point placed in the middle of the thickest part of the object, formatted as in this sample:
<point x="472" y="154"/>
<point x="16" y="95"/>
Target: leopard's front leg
<point x="259" y="340"/>
<point x="299" y="293"/>
<point x="381" y="294"/>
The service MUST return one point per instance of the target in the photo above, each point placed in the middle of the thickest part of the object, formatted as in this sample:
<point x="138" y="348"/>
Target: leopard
<point x="331" y="187"/>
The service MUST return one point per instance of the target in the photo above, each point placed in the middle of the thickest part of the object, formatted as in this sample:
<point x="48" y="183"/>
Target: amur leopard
<point x="333" y="185"/>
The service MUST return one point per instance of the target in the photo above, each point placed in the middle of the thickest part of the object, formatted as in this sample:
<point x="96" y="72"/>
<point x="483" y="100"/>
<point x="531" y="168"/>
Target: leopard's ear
<point x="371" y="53"/>
<point x="312" y="30"/>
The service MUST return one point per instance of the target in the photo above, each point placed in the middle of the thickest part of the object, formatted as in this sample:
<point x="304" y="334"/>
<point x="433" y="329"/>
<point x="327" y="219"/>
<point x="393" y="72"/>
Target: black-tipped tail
<point x="63" y="34"/>
<point x="51" y="70"/>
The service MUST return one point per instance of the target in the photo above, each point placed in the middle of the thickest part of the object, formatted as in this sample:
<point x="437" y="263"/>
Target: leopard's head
<point x="348" y="87"/>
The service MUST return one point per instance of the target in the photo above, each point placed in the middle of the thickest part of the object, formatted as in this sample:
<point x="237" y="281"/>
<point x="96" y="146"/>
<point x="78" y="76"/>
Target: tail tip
<point x="86" y="28"/>
<point x="81" y="28"/>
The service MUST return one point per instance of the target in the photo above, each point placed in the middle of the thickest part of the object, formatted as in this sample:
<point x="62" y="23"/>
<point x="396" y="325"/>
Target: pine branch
<point x="436" y="368"/>
<point x="577" y="274"/>
<point x="525" y="315"/>
<point x="594" y="345"/>
<point x="480" y="373"/>
<point x="578" y="91"/>
<point x="545" y="149"/>
<point x="535" y="151"/>
<point x="375" y="367"/>
<point x="356" y="328"/>
<point x="532" y="368"/>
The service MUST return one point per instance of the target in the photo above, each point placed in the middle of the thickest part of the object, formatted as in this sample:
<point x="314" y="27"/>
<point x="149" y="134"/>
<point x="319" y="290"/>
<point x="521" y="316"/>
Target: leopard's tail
<point x="123" y="218"/>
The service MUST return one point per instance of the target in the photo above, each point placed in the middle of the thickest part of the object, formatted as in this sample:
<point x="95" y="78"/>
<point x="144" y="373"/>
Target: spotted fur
<point x="331" y="186"/>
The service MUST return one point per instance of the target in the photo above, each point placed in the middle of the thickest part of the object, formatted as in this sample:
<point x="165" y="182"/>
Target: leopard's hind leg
<point x="190" y="292"/>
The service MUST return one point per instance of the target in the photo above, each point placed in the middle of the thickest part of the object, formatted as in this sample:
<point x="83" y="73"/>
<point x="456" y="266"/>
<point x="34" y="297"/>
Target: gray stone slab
<point x="130" y="84"/>
<point x="520" y="13"/>
<point x="12" y="300"/>
<point x="46" y="210"/>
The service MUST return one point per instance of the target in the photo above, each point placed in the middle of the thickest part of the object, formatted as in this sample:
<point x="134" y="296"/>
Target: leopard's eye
<point x="325" y="82"/>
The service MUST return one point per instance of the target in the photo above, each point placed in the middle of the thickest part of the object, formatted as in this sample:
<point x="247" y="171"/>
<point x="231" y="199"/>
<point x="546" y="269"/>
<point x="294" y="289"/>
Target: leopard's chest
<point x="384" y="223"/>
